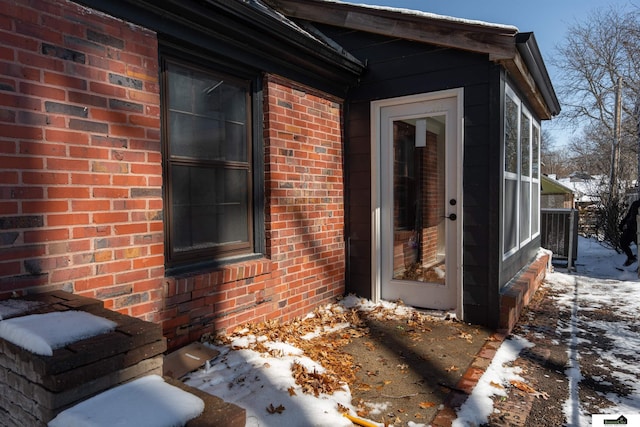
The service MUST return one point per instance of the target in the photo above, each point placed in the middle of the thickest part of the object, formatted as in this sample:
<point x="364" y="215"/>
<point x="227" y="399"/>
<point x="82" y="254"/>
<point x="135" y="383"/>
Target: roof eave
<point x="530" y="53"/>
<point x="244" y="32"/>
<point x="481" y="38"/>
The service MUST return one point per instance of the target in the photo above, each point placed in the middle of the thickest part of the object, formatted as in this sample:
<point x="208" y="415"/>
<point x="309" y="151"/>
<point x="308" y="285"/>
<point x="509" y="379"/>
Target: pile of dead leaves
<point x="321" y="336"/>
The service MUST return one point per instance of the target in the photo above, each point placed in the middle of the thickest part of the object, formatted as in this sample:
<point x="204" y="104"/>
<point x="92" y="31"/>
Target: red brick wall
<point x="80" y="173"/>
<point x="80" y="180"/>
<point x="305" y="261"/>
<point x="305" y="195"/>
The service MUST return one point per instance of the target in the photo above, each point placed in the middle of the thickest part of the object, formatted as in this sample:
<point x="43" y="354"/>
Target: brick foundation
<point x="518" y="293"/>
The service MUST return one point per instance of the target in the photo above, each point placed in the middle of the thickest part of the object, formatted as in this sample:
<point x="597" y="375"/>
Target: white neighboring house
<point x="587" y="188"/>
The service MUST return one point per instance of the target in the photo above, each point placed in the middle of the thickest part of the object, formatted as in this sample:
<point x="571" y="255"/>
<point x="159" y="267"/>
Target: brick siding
<point x="81" y="180"/>
<point x="304" y="265"/>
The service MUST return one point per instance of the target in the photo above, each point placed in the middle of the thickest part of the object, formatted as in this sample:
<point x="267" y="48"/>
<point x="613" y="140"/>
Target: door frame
<point x="376" y="233"/>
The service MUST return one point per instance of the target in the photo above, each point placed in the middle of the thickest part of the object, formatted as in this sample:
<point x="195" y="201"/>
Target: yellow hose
<point x="360" y="421"/>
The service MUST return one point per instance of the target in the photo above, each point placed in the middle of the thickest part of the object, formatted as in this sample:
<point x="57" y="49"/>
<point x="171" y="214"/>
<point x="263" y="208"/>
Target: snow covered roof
<point x="428" y="15"/>
<point x="551" y="186"/>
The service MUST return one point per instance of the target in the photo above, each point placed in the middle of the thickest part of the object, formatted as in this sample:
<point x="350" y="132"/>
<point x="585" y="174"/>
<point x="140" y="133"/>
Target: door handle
<point x="452" y="217"/>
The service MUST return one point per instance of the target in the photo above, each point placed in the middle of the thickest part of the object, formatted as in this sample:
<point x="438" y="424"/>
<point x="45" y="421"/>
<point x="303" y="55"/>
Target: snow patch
<point x="43" y="333"/>
<point x="145" y="402"/>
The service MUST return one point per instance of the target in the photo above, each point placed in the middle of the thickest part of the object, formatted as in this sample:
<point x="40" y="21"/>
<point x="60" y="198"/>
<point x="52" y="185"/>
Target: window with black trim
<point x="207" y="156"/>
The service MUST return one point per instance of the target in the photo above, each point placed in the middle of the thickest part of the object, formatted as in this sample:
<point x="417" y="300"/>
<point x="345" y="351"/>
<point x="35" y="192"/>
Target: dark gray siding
<point x="397" y="67"/>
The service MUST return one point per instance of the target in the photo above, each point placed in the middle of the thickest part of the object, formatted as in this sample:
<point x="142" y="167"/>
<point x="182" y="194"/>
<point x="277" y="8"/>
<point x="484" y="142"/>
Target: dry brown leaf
<point x="452" y="368"/>
<point x="275" y="410"/>
<point x="426" y="405"/>
<point x="291" y="391"/>
<point x="522" y="386"/>
<point x="496" y="385"/>
<point x="466" y="336"/>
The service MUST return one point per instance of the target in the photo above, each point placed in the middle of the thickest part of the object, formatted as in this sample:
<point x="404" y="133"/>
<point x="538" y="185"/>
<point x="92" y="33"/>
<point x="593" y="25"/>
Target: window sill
<point x="204" y="267"/>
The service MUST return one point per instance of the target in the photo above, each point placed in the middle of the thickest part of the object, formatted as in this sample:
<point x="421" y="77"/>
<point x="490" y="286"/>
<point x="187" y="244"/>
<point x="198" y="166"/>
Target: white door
<point x="417" y="201"/>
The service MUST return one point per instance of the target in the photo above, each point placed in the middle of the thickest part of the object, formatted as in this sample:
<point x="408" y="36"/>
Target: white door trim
<point x="376" y="254"/>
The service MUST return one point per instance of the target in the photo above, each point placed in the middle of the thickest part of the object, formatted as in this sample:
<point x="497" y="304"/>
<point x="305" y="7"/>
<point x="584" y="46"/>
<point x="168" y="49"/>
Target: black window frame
<point x="196" y="259"/>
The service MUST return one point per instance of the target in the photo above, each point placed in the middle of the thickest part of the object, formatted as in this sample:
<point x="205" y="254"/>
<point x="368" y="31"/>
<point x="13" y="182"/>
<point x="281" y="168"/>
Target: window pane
<point x="525" y="210"/>
<point x="525" y="145"/>
<point x="511" y="136"/>
<point x="535" y="152"/>
<point x="207" y="116"/>
<point x="209" y="207"/>
<point x="535" y="209"/>
<point x="510" y="238"/>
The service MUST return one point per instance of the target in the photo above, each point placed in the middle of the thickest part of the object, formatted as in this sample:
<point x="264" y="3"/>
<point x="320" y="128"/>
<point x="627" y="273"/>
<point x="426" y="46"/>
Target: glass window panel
<point x="511" y="136"/>
<point x="525" y="210"/>
<point x="535" y="151"/>
<point x="207" y="115"/>
<point x="525" y="145"/>
<point x="510" y="238"/>
<point x="535" y="209"/>
<point x="210" y="207"/>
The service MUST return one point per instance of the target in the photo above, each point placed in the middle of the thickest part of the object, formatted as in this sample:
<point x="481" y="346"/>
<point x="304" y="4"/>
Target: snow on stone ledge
<point x="145" y="402"/>
<point x="43" y="333"/>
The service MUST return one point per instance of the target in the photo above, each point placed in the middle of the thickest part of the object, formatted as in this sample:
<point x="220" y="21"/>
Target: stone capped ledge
<point x="36" y="388"/>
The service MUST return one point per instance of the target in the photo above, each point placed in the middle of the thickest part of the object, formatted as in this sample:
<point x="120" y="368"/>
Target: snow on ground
<point x="256" y="373"/>
<point x="602" y="283"/>
<point x="257" y="381"/>
<point x="263" y="383"/>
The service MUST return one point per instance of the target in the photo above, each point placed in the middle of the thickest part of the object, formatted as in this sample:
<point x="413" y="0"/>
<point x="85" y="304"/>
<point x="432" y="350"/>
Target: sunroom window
<point x="521" y="175"/>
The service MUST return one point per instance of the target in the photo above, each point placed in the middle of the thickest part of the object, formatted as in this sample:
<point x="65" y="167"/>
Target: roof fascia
<point x="530" y="52"/>
<point x="496" y="41"/>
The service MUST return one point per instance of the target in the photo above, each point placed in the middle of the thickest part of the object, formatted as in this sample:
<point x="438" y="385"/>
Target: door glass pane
<point x="418" y="200"/>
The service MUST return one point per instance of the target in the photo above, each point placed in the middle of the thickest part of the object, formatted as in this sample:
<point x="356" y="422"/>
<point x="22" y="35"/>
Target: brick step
<point x="217" y="412"/>
<point x="36" y="388"/>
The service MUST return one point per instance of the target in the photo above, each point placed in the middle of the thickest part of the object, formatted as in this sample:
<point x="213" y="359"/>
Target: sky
<point x="247" y="375"/>
<point x="548" y="19"/>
